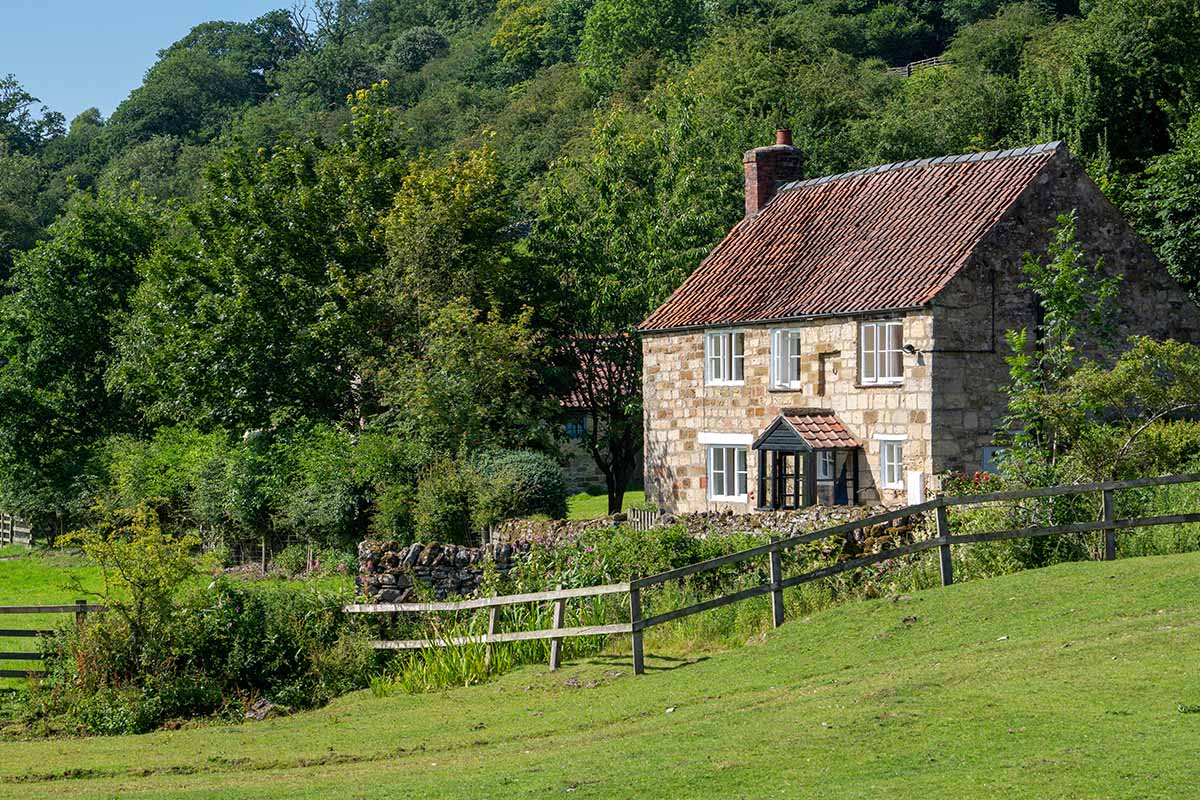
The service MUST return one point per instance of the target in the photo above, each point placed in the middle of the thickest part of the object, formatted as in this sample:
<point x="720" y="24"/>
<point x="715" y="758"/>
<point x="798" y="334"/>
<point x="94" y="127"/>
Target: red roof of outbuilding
<point x="879" y="239"/>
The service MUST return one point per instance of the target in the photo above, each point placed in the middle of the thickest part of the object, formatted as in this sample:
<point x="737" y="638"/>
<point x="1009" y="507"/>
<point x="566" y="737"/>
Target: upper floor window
<point x="880" y="353"/>
<point x="785" y="359"/>
<point x="725" y="357"/>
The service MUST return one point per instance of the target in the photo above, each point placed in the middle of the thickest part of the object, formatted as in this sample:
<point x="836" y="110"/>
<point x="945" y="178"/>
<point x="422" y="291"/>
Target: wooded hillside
<point x="316" y="261"/>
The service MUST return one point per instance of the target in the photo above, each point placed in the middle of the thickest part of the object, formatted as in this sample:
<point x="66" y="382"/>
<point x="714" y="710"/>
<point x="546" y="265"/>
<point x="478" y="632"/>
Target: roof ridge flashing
<point x="989" y="155"/>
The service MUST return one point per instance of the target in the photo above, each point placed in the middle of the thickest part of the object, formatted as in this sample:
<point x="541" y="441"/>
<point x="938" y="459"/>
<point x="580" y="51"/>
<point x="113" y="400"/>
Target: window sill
<point x="896" y="487"/>
<point x="888" y="385"/>
<point x="786" y="389"/>
<point x="737" y="499"/>
<point x="726" y="383"/>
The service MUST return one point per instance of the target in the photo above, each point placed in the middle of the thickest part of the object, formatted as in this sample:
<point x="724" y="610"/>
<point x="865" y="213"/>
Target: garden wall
<point x="389" y="572"/>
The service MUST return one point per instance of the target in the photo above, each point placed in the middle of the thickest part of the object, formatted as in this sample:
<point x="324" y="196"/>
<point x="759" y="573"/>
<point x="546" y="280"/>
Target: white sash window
<point x="880" y="352"/>
<point x="785" y="360"/>
<point x="725" y="358"/>
<point x="727" y="474"/>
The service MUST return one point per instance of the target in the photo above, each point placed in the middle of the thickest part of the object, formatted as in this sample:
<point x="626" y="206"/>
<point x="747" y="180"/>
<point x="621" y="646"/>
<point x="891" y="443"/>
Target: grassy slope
<point x="591" y="506"/>
<point x="1080" y="700"/>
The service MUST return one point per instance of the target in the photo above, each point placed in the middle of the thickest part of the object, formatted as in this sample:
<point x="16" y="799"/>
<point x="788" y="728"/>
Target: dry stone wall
<point x="390" y="572"/>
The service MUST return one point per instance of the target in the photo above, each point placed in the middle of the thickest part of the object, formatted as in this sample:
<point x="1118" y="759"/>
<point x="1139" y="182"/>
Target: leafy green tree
<point x="617" y="30"/>
<point x="415" y="47"/>
<point x="1167" y="207"/>
<point x="201" y="81"/>
<point x="534" y="33"/>
<point x="476" y="381"/>
<point x="67" y="299"/>
<point x="1115" y="83"/>
<point x="1076" y="306"/>
<point x="997" y="44"/>
<point x="447" y="238"/>
<point x="1102" y="412"/>
<point x="21" y="131"/>
<point x="260" y="307"/>
<point x="623" y="229"/>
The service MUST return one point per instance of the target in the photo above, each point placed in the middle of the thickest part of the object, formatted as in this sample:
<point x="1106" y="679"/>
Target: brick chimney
<point x="768" y="167"/>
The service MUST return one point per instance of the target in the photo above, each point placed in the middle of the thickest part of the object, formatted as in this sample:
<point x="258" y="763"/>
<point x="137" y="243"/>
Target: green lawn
<point x="1064" y="682"/>
<point x="591" y="506"/>
<point x="33" y="578"/>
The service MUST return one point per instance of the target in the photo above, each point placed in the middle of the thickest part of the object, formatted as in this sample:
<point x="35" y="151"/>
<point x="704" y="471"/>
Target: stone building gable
<point x="985" y="299"/>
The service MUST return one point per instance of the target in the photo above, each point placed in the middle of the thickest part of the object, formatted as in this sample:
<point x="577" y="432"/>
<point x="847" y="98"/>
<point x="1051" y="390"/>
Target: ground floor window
<point x="891" y="463"/>
<point x="825" y="464"/>
<point x="727" y="473"/>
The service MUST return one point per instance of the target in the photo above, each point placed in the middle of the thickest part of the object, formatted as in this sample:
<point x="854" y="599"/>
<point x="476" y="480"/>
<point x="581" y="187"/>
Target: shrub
<point x="417" y="46"/>
<point x="442" y="512"/>
<point x="227" y="645"/>
<point x="318" y="497"/>
<point x="293" y="559"/>
<point x="518" y="483"/>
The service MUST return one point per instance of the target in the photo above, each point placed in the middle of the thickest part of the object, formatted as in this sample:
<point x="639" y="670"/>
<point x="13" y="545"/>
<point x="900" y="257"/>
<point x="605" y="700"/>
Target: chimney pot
<point x="783" y="136"/>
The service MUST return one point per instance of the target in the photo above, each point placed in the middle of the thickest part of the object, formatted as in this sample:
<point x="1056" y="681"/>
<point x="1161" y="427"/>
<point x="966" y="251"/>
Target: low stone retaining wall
<point x="389" y="571"/>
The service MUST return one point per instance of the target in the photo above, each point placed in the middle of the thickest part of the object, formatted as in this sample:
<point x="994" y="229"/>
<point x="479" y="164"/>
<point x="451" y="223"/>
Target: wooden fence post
<point x="560" y="611"/>
<point x="80" y="613"/>
<point x="635" y="621"/>
<point x="487" y="656"/>
<point x="943" y="532"/>
<point x="1110" y="534"/>
<point x="776" y="586"/>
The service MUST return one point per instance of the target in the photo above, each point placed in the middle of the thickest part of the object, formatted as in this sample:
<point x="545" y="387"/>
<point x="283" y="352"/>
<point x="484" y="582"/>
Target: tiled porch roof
<point x="811" y="428"/>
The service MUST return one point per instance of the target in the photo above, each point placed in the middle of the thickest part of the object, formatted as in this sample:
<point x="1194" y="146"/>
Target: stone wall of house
<point x="681" y="412"/>
<point x="580" y="469"/>
<point x="971" y="315"/>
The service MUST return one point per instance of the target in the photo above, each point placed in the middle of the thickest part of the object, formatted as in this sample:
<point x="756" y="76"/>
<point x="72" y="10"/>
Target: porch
<point x="806" y="457"/>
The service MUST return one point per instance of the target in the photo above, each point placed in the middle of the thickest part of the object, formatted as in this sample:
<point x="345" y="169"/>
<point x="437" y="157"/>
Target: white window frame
<point x="785" y="359"/>
<point x="826" y="464"/>
<point x="873" y="351"/>
<point x="891" y="444"/>
<point x="728" y="464"/>
<point x="725" y="358"/>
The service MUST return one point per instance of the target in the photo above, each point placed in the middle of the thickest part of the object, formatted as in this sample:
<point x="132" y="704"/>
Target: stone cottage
<point x="845" y="342"/>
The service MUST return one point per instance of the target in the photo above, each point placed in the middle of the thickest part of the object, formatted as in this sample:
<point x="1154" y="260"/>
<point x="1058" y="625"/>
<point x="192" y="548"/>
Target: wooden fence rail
<point x="80" y="608"/>
<point x="776" y="583"/>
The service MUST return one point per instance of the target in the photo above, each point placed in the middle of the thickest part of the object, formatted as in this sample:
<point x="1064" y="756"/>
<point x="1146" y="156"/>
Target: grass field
<point x="1074" y="681"/>
<point x="32" y="579"/>
<point x="591" y="506"/>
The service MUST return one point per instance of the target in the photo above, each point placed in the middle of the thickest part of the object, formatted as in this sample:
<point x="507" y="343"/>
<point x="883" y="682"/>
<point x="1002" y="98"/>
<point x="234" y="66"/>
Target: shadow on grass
<point x="653" y="663"/>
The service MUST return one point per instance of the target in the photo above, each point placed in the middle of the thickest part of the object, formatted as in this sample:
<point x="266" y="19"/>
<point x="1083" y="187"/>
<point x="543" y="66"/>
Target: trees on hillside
<point x="68" y="297"/>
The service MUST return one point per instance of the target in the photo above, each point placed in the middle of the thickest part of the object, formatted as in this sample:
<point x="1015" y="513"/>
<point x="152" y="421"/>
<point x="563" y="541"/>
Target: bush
<point x="293" y="559"/>
<point x="442" y="512"/>
<point x="226" y="645"/>
<point x="417" y="46"/>
<point x="518" y="483"/>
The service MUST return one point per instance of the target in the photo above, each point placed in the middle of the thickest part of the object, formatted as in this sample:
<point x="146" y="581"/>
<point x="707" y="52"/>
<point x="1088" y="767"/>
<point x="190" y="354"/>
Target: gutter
<point x="783" y="320"/>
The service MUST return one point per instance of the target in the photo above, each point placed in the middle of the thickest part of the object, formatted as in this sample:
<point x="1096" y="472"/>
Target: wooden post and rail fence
<point x="80" y="608"/>
<point x="943" y="540"/>
<point x="14" y="531"/>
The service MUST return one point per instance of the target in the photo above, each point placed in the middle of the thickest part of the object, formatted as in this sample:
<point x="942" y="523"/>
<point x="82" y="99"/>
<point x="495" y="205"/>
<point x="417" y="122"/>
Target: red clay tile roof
<point x="879" y="239"/>
<point x="821" y="429"/>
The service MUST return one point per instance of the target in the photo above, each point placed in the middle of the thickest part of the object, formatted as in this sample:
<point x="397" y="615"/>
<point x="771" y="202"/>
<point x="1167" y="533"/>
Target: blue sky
<point x="75" y="54"/>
